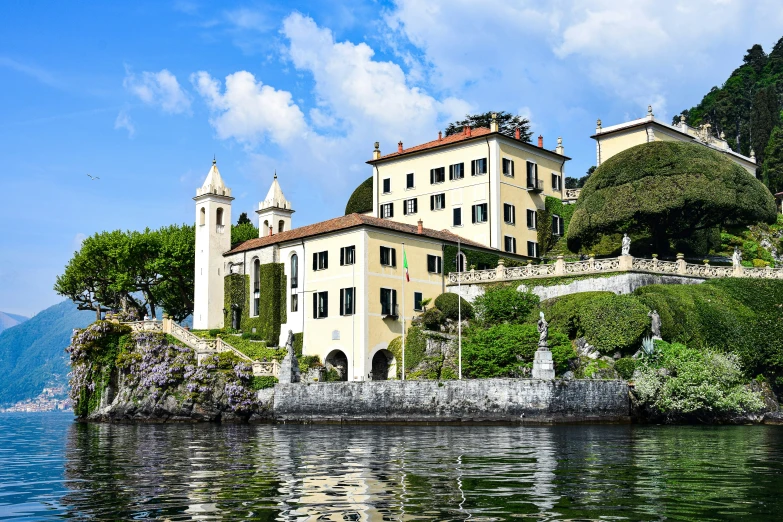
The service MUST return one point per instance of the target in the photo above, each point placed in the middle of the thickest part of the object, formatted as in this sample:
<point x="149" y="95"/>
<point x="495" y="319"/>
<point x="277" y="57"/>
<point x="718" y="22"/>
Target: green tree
<point x="577" y="183"/>
<point x="361" y="198"/>
<point x="504" y="304"/>
<point x="667" y="190"/>
<point x="176" y="264"/>
<point x="243" y="219"/>
<point x="507" y="122"/>
<point x="772" y="172"/>
<point x="243" y="232"/>
<point x="764" y="116"/>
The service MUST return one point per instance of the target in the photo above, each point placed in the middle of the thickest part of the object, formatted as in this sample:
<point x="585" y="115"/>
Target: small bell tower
<point x="274" y="213"/>
<point x="213" y="239"/>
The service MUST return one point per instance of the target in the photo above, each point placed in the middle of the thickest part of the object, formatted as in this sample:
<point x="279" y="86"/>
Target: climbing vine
<point x="271" y="306"/>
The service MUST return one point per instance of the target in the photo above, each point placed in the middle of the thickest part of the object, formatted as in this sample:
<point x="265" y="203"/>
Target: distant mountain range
<point x="32" y="351"/>
<point x="10" y="320"/>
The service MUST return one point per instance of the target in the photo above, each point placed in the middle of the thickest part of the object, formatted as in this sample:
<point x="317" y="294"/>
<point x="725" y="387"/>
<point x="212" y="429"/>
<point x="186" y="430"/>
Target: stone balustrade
<point x="609" y="265"/>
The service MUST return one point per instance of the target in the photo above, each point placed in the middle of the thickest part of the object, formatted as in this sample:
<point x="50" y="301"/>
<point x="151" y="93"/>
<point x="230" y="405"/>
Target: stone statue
<point x="289" y="368"/>
<point x="235" y="316"/>
<point x="626" y="251"/>
<point x="656" y="323"/>
<point x="543" y="332"/>
<point x="289" y="344"/>
<point x="736" y="257"/>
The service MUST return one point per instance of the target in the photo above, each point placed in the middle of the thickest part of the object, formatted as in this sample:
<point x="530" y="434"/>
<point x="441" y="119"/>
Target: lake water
<point x="52" y="468"/>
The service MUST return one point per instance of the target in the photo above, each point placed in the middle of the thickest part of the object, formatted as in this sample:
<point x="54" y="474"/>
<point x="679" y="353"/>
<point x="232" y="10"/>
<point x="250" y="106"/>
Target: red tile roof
<point x="454" y="138"/>
<point x="350" y="221"/>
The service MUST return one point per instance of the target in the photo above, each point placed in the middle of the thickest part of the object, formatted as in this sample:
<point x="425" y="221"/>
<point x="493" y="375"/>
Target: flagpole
<point x="403" y="312"/>
<point x="459" y="307"/>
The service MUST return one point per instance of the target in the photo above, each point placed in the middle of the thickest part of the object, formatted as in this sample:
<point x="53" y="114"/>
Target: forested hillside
<point x="747" y="109"/>
<point x="32" y="354"/>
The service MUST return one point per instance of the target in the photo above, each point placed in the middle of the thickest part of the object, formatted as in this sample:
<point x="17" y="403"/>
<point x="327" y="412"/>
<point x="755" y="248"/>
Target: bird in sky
<point x="93" y="177"/>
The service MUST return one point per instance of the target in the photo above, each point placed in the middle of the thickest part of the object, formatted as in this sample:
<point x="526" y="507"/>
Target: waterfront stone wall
<point x="484" y="400"/>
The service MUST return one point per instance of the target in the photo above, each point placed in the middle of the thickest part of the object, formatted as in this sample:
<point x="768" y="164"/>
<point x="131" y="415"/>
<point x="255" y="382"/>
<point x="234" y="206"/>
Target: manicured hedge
<point x="272" y="306"/>
<point x="361" y="199"/>
<point x="448" y="303"/>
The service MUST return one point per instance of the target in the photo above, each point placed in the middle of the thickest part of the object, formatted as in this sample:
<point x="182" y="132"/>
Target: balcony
<point x="220" y="228"/>
<point x="535" y="185"/>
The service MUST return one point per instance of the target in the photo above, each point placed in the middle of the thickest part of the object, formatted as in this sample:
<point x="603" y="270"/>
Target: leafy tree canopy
<point x="361" y="199"/>
<point x="242" y="232"/>
<point x="773" y="161"/>
<point x="577" y="183"/>
<point x="667" y="190"/>
<point x="507" y="122"/>
<point x="243" y="219"/>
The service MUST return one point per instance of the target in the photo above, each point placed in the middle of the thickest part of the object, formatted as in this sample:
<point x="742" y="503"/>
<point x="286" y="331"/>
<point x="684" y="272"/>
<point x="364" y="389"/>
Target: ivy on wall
<point x="272" y="301"/>
<point x="552" y="207"/>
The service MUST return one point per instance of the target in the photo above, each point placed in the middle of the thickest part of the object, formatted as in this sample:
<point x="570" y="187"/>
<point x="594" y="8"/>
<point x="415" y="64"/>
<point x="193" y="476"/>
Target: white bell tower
<point x="213" y="238"/>
<point x="274" y="213"/>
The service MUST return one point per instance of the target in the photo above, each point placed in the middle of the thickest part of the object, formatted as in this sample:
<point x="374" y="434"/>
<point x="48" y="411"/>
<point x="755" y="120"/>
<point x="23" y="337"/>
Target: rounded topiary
<point x="667" y="190"/>
<point x="625" y="367"/>
<point x="432" y="319"/>
<point x="448" y="304"/>
<point x="361" y="199"/>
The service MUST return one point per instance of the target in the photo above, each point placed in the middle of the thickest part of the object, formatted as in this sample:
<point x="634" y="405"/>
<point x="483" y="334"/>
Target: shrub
<point x="504" y="304"/>
<point x="415" y="349"/>
<point x="252" y="336"/>
<point x="609" y="322"/>
<point x="432" y="319"/>
<point x="504" y="350"/>
<point x="625" y="367"/>
<point x="309" y="361"/>
<point x="448" y="304"/>
<point x="226" y="360"/>
<point x="361" y="198"/>
<point x="214" y="332"/>
<point x="266" y="381"/>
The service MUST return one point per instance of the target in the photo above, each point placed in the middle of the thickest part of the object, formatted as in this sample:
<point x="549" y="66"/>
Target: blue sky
<point x="142" y="94"/>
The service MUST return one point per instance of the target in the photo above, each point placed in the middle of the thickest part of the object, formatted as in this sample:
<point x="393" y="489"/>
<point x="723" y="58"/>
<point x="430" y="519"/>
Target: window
<point x="478" y="167"/>
<point x="556" y="184"/>
<point x="434" y="264"/>
<point x="479" y="213"/>
<point x="386" y="185"/>
<point x="256" y="286"/>
<point x="457" y="219"/>
<point x="219" y="217"/>
<point x="409" y="181"/>
<point x="461" y="262"/>
<point x="280" y="226"/>
<point x="508" y="167"/>
<point x="347" y="255"/>
<point x="509" y="214"/>
<point x="294" y="302"/>
<point x="438" y="175"/>
<point x="388" y="302"/>
<point x="532" y="249"/>
<point x="510" y="244"/>
<point x="388" y="256"/>
<point x="437" y="201"/>
<point x="410" y="206"/>
<point x="202" y="216"/>
<point x="347" y="301"/>
<point x="532" y="174"/>
<point x="531" y="219"/>
<point x="320" y="305"/>
<point x="321" y="260"/>
<point x="294" y="271"/>
<point x="387" y="210"/>
<point x="457" y="171"/>
<point x="557" y="225"/>
<point x="417" y="298"/>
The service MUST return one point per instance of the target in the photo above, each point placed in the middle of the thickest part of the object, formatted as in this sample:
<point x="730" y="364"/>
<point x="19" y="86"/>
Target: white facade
<point x="274" y="213"/>
<point x="213" y="238"/>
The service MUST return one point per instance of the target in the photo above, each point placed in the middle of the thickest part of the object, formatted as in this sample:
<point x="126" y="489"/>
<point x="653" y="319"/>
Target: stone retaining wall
<point x="485" y="400"/>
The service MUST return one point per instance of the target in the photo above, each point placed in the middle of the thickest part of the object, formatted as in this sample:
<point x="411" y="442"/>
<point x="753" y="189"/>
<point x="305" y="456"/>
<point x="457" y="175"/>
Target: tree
<point x="667" y="190"/>
<point x="772" y="171"/>
<point x="361" y="198"/>
<point x="176" y="264"/>
<point x="577" y="183"/>
<point x="243" y="232"/>
<point x="243" y="219"/>
<point x="764" y="116"/>
<point x="507" y="122"/>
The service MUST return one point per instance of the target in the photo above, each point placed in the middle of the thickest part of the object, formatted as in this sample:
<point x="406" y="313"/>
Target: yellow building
<point x="480" y="184"/>
<point x="617" y="138"/>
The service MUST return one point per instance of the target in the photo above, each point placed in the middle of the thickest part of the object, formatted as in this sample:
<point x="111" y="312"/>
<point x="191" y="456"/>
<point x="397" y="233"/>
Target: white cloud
<point x="249" y="111"/>
<point x="245" y="18"/>
<point x="160" y="89"/>
<point x="124" y="121"/>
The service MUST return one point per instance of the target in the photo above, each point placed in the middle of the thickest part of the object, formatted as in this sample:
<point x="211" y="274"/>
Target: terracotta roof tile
<point x="454" y="138"/>
<point x="350" y="221"/>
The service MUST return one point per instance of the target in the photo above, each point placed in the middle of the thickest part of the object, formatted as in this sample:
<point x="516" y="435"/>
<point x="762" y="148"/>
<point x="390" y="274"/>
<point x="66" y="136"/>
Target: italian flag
<point x="405" y="265"/>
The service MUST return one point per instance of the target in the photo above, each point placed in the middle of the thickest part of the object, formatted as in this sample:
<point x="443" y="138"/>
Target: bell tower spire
<point x="274" y="212"/>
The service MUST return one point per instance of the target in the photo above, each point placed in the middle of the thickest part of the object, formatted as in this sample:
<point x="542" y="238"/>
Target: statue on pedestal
<point x="289" y="368"/>
<point x="656" y="323"/>
<point x="543" y="365"/>
<point x="626" y="250"/>
<point x="543" y="332"/>
<point x="736" y="257"/>
<point x="235" y="316"/>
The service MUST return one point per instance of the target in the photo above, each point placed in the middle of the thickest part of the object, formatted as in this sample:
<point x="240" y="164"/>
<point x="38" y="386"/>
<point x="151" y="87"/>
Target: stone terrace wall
<point x="485" y="400"/>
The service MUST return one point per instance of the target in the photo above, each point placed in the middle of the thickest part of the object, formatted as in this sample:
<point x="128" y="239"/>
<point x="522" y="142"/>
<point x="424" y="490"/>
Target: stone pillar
<point x="591" y="262"/>
<point x="543" y="366"/>
<point x="289" y="369"/>
<point x="626" y="263"/>
<point x="738" y="271"/>
<point x="560" y="266"/>
<point x="681" y="268"/>
<point x="500" y="271"/>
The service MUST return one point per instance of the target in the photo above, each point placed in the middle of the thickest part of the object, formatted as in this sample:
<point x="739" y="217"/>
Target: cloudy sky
<point x="142" y="94"/>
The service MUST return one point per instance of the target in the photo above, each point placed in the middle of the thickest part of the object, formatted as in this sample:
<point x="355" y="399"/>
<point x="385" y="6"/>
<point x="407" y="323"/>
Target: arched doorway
<point x="337" y="361"/>
<point x="384" y="366"/>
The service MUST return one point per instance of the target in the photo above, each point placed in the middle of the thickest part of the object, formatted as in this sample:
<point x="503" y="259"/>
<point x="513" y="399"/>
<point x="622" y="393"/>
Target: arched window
<point x="256" y="286"/>
<point x="202" y="216"/>
<point x="265" y="232"/>
<point x="219" y="217"/>
<point x="294" y="271"/>
<point x="280" y="226"/>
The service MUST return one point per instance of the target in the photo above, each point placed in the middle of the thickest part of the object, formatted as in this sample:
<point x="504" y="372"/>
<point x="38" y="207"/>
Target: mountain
<point x="747" y="110"/>
<point x="32" y="354"/>
<point x="10" y="320"/>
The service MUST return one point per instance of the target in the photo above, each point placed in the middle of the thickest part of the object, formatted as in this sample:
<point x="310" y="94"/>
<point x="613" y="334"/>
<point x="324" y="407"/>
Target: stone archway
<point x="384" y="366"/>
<point x="338" y="361"/>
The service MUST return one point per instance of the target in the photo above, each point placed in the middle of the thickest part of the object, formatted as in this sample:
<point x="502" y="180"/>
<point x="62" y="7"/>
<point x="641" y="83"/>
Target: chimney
<point x="493" y="124"/>
<point x="467" y="131"/>
<point x="421" y="228"/>
<point x="516" y="133"/>
<point x="399" y="146"/>
<point x="540" y="141"/>
<point x="440" y="135"/>
<point x="271" y="230"/>
<point x="376" y="154"/>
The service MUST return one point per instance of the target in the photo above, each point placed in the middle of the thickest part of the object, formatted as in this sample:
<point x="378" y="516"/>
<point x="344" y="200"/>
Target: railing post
<point x="560" y="266"/>
<point x="625" y="263"/>
<point x="738" y="271"/>
<point x="681" y="264"/>
<point x="500" y="271"/>
<point x="655" y="262"/>
<point x="591" y="262"/>
<point x="166" y="324"/>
